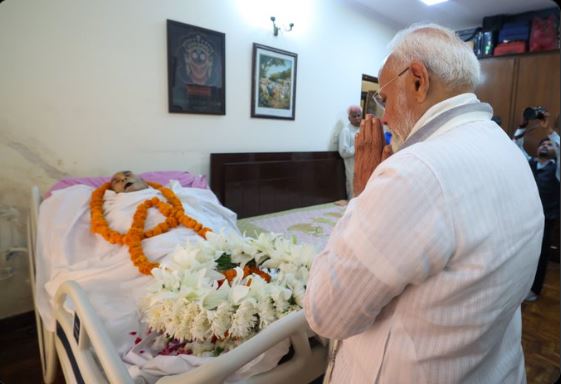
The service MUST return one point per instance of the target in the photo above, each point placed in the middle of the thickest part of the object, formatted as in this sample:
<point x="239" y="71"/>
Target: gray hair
<point x="443" y="53"/>
<point x="351" y="107"/>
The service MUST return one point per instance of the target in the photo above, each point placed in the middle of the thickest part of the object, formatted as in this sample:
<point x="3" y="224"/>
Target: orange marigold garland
<point x="230" y="274"/>
<point x="172" y="210"/>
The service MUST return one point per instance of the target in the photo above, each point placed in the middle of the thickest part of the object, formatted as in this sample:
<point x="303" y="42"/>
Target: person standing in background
<point x="545" y="167"/>
<point x="347" y="145"/>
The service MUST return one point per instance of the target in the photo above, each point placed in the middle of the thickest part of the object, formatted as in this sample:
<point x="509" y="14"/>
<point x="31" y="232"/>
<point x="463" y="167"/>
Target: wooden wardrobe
<point x="512" y="83"/>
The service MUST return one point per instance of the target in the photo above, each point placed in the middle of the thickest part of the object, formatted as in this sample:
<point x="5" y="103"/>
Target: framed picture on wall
<point x="196" y="69"/>
<point x="273" y="84"/>
<point x="369" y="86"/>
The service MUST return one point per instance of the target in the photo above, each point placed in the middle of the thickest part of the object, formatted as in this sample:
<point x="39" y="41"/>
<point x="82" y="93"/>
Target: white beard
<point x="404" y="126"/>
<point x="395" y="143"/>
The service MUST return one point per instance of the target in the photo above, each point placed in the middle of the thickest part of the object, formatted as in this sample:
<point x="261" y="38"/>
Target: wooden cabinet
<point x="512" y="83"/>
<point x="497" y="84"/>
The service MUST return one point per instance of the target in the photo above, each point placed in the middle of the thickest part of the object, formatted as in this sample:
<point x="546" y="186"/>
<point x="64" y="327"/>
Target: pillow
<point x="186" y="179"/>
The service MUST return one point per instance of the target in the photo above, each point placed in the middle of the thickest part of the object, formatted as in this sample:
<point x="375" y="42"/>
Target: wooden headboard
<point x="253" y="184"/>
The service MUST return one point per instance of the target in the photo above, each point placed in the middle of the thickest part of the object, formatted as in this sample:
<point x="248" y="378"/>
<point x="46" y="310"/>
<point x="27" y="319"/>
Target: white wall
<point x="83" y="88"/>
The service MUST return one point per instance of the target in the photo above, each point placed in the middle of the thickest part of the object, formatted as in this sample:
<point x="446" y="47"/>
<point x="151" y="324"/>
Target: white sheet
<point x="144" y="363"/>
<point x="67" y="250"/>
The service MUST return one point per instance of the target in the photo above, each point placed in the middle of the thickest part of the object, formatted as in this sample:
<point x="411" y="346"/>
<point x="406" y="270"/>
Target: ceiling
<point x="454" y="14"/>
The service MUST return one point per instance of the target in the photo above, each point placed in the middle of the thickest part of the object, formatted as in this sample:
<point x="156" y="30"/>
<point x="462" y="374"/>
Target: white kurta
<point x="423" y="276"/>
<point x="347" y="152"/>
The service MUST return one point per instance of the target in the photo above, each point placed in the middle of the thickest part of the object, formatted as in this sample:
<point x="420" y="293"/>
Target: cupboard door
<point x="496" y="85"/>
<point x="538" y="84"/>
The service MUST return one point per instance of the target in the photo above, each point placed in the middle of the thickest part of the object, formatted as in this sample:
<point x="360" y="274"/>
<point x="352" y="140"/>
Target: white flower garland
<point x="199" y="314"/>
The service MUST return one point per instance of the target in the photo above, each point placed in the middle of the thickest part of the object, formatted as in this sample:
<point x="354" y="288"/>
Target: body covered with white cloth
<point x="68" y="250"/>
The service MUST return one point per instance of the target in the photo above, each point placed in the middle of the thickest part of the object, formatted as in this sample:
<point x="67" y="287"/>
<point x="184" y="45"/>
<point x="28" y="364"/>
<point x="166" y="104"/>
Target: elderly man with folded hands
<point x="423" y="277"/>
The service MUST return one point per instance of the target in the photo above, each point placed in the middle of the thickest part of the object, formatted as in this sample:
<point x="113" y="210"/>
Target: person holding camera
<point x="545" y="167"/>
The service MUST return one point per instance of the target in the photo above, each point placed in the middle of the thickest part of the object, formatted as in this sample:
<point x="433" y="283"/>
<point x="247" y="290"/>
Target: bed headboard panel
<point x="256" y="183"/>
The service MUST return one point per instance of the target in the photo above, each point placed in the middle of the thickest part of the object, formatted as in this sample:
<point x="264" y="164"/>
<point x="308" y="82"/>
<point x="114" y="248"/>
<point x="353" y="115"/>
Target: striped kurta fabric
<point x="423" y="277"/>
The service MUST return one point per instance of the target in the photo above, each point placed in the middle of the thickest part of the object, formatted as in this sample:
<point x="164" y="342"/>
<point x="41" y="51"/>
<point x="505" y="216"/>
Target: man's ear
<point x="420" y="80"/>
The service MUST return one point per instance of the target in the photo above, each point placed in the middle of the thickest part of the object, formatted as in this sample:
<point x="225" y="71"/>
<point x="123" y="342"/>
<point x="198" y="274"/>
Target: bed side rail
<point x="304" y="366"/>
<point x="88" y="338"/>
<point x="45" y="338"/>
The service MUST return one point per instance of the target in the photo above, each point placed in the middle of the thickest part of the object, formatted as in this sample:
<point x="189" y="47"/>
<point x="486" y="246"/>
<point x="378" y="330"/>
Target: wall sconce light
<point x="276" y="27"/>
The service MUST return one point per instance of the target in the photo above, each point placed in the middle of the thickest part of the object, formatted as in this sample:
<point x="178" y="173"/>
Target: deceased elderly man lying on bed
<point x="112" y="263"/>
<point x="169" y="261"/>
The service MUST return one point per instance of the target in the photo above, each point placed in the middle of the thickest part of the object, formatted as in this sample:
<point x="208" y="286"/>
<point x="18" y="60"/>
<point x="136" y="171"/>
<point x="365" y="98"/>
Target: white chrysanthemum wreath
<point x="221" y="291"/>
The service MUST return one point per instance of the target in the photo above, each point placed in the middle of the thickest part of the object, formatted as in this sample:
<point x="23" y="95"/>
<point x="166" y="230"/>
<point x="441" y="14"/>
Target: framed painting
<point x="196" y="69"/>
<point x="273" y="85"/>
<point x="369" y="86"/>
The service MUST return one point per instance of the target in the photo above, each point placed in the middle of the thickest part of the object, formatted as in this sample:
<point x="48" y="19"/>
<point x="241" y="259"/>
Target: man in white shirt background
<point x="347" y="144"/>
<point x="422" y="278"/>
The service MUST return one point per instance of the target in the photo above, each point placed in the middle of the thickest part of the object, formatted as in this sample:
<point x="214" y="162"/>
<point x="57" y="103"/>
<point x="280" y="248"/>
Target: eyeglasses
<point x="376" y="95"/>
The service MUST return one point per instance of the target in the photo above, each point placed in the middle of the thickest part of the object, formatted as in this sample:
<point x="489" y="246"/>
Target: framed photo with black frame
<point x="370" y="86"/>
<point x="273" y="85"/>
<point x="196" y="69"/>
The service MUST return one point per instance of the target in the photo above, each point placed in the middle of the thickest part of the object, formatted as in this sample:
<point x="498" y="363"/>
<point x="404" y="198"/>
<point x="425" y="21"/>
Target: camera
<point x="533" y="113"/>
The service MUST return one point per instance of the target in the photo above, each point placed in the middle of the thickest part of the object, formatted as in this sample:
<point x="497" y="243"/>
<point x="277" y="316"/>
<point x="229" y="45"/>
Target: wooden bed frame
<point x="257" y="183"/>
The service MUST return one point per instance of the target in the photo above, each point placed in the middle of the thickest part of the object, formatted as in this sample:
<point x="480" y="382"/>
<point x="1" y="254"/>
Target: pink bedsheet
<point x="186" y="179"/>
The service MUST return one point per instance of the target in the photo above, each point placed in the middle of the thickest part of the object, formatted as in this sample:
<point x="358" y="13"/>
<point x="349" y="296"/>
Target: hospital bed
<point x="82" y="345"/>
